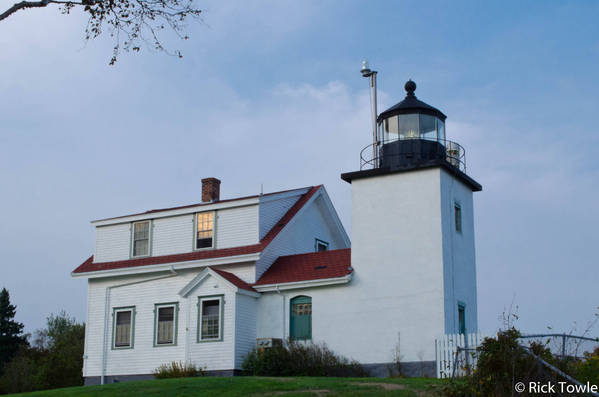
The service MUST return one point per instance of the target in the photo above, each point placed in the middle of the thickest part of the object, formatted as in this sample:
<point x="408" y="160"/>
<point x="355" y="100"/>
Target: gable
<point x="274" y="207"/>
<point x="317" y="219"/>
<point x="231" y="281"/>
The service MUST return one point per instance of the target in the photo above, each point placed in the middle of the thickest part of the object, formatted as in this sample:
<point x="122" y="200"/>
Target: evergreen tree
<point x="11" y="332"/>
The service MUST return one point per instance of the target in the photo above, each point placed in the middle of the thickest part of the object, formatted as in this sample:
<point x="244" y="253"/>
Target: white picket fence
<point x="447" y="356"/>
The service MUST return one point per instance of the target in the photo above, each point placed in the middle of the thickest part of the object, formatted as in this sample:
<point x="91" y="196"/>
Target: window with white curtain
<point x="165" y="326"/>
<point x="123" y="327"/>
<point x="141" y="239"/>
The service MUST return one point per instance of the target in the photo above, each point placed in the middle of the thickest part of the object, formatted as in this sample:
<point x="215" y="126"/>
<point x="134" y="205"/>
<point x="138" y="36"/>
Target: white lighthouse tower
<point x="413" y="233"/>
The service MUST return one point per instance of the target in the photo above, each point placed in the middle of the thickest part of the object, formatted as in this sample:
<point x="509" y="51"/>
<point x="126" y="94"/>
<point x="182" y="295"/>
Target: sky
<point x="269" y="93"/>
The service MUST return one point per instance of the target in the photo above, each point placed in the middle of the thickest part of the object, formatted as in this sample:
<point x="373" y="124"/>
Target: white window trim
<point x="221" y="319"/>
<point x="195" y="231"/>
<point x="132" y="250"/>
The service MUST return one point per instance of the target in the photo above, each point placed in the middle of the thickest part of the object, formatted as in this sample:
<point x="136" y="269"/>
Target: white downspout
<point x="107" y="313"/>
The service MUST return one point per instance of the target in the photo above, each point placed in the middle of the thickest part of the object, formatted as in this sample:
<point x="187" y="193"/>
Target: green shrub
<point x="587" y="370"/>
<point x="300" y="359"/>
<point x="177" y="370"/>
<point x="501" y="363"/>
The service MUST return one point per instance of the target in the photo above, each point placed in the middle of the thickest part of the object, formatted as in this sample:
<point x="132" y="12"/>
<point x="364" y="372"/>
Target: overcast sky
<point x="269" y="92"/>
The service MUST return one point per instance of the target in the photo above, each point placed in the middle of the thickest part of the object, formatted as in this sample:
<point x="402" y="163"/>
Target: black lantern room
<point x="408" y="136"/>
<point x="412" y="133"/>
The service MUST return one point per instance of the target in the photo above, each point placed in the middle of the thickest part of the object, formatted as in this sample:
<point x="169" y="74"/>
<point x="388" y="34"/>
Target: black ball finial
<point x="410" y="87"/>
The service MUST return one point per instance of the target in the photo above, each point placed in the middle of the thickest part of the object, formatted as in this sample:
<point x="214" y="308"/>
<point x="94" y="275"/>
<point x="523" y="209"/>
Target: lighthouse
<point x="413" y="231"/>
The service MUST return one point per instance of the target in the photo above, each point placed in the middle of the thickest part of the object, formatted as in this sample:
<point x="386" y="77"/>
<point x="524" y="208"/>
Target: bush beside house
<point x="300" y="359"/>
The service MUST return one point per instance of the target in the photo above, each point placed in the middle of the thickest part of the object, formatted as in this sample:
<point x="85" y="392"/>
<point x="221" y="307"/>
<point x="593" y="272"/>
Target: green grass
<point x="254" y="386"/>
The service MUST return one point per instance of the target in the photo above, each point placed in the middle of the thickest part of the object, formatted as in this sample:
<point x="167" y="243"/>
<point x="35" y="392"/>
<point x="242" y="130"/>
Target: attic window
<point x="141" y="239"/>
<point x="320" y="245"/>
<point x="204" y="230"/>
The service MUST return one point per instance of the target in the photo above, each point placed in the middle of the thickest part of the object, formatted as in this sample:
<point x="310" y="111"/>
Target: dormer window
<point x="141" y="239"/>
<point x="204" y="230"/>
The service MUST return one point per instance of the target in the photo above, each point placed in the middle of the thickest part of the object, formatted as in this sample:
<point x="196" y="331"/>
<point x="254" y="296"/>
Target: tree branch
<point x="33" y="4"/>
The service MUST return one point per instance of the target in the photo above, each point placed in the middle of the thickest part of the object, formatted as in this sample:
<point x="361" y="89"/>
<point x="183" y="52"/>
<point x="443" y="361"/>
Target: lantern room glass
<point x="412" y="126"/>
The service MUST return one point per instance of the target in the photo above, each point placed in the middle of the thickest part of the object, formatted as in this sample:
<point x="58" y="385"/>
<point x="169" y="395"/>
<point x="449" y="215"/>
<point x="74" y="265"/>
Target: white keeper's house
<point x="205" y="283"/>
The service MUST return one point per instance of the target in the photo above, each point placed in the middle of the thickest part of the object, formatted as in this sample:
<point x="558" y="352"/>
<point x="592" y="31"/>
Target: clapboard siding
<point x="237" y="226"/>
<point x="272" y="211"/>
<point x="213" y="355"/>
<point x="245" y="327"/>
<point x="144" y="357"/>
<point x="173" y="235"/>
<point x="245" y="271"/>
<point x="300" y="234"/>
<point x="112" y="242"/>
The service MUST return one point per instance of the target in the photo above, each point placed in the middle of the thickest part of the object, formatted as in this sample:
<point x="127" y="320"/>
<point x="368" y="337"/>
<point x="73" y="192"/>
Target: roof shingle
<point x="310" y="266"/>
<point x="233" y="279"/>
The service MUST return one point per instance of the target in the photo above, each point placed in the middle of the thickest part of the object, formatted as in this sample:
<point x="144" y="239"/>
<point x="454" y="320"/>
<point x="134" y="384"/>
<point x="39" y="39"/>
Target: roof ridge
<point x="154" y="211"/>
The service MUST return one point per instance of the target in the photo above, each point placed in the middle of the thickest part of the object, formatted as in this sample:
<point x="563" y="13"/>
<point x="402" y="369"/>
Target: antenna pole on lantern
<point x="366" y="72"/>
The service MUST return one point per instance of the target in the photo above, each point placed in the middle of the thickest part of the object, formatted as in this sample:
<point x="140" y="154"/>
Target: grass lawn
<point x="255" y="386"/>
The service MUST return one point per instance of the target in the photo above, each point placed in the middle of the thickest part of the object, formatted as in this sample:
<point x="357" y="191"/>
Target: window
<point x="300" y="323"/>
<point x="204" y="230"/>
<point x="165" y="324"/>
<point x="320" y="245"/>
<point x="457" y="209"/>
<point x="461" y="318"/>
<point x="122" y="332"/>
<point x="141" y="239"/>
<point x="210" y="324"/>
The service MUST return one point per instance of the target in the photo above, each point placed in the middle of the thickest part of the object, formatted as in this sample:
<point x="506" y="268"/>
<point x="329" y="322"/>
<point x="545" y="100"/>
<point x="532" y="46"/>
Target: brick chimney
<point x="210" y="190"/>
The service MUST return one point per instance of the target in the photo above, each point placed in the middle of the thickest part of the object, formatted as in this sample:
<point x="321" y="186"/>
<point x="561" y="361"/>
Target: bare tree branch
<point x="129" y="22"/>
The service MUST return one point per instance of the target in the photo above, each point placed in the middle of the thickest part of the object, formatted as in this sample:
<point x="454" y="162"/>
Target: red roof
<point x="233" y="279"/>
<point x="311" y="266"/>
<point x="90" y="266"/>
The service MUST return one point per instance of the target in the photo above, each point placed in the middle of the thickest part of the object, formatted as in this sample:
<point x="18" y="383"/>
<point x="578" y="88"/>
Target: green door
<point x="300" y="323"/>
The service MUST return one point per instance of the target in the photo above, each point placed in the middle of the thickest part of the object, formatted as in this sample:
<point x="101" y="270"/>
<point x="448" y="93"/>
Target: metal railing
<point x="457" y="356"/>
<point x="565" y="345"/>
<point x="449" y="151"/>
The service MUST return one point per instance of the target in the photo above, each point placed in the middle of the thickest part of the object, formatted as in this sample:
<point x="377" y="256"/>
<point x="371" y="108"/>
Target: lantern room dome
<point x="411" y="104"/>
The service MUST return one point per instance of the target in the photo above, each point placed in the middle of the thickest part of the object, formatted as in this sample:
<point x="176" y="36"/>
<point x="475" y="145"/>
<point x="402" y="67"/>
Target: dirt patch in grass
<point x="385" y="386"/>
<point x="318" y="392"/>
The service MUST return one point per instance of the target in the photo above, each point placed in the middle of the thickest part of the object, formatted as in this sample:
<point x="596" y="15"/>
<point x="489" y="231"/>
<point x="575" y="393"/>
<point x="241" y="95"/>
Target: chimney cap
<point x="211" y="179"/>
